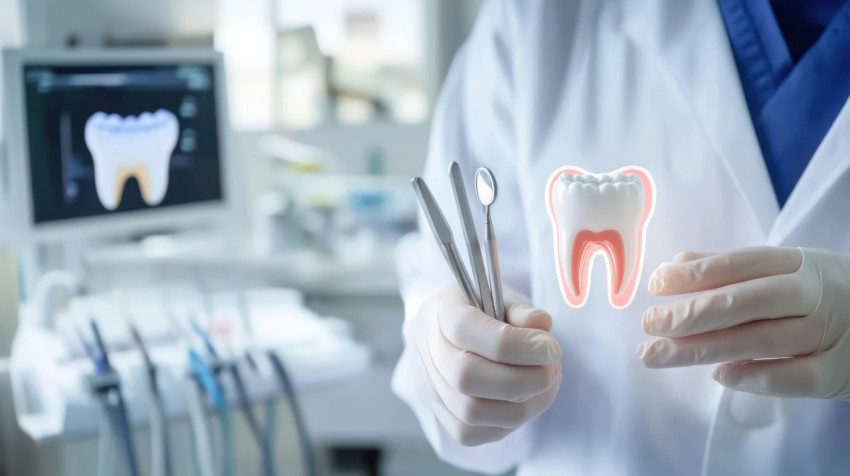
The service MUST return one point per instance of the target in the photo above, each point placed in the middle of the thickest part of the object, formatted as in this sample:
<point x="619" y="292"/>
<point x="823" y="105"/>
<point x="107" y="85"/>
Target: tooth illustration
<point x="599" y="214"/>
<point x="124" y="147"/>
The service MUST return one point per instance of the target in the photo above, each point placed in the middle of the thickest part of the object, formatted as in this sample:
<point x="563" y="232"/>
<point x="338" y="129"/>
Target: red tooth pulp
<point x="586" y="244"/>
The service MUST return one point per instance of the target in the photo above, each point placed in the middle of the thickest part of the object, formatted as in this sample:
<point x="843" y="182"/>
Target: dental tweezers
<point x="443" y="233"/>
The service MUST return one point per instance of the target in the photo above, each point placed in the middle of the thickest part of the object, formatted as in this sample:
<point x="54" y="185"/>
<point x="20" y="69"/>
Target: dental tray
<point x="50" y="371"/>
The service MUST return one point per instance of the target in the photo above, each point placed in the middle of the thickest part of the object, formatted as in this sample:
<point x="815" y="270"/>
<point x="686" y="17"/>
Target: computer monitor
<point x="117" y="141"/>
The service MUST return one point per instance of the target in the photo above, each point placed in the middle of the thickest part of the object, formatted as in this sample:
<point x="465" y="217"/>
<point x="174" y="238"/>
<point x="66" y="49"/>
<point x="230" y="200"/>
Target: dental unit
<point x="163" y="363"/>
<point x="124" y="147"/>
<point x="599" y="215"/>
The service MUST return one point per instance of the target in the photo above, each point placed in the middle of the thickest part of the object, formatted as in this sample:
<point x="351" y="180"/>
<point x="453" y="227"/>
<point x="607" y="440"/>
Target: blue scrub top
<point x="793" y="57"/>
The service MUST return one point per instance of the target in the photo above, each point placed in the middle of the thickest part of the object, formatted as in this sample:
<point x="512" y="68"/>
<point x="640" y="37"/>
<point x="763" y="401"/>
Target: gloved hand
<point x="483" y="378"/>
<point x="780" y="317"/>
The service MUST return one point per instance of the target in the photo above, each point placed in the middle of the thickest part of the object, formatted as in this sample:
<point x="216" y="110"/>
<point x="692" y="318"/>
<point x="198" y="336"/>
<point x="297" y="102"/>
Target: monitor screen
<point x="110" y="139"/>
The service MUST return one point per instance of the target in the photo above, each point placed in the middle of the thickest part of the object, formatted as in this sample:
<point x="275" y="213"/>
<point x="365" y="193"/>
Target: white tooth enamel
<point x="598" y="204"/>
<point x="142" y="145"/>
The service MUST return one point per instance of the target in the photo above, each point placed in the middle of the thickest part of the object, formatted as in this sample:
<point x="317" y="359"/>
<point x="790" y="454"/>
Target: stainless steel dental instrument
<point x="485" y="188"/>
<point x="443" y="233"/>
<point x="472" y="244"/>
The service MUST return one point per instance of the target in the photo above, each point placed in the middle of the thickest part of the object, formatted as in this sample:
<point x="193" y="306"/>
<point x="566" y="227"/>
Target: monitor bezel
<point x="127" y="223"/>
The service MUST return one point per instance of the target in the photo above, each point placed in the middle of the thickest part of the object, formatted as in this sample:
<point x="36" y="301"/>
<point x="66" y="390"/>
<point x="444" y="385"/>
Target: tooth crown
<point x="599" y="214"/>
<point x="600" y="202"/>
<point x="124" y="147"/>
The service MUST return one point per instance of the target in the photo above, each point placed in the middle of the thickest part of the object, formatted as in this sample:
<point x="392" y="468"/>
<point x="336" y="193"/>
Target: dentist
<point x="738" y="110"/>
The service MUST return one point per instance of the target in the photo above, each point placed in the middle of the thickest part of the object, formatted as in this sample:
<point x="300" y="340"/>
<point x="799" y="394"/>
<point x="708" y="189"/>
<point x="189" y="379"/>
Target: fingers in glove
<point x="524" y="315"/>
<point x="755" y="340"/>
<point x="472" y="375"/>
<point x="764" y="298"/>
<point x="464" y="434"/>
<point x="470" y="329"/>
<point x="477" y="411"/>
<point x="793" y="377"/>
<point x="693" y="272"/>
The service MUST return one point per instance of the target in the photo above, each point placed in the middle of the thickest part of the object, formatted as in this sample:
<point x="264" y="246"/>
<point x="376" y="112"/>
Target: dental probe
<point x="472" y="245"/>
<point x="443" y="233"/>
<point x="485" y="187"/>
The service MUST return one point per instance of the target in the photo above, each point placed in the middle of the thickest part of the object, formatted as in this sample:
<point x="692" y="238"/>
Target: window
<point x="299" y="64"/>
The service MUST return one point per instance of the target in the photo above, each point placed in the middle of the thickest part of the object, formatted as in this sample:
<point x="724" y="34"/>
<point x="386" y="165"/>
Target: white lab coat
<point x="603" y="84"/>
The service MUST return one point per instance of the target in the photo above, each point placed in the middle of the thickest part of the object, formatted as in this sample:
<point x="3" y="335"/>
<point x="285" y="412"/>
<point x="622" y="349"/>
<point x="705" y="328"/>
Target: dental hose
<point x="245" y="405"/>
<point x="106" y="443"/>
<point x="227" y="441"/>
<point x="160" y="450"/>
<point x="207" y="380"/>
<point x="308" y="458"/>
<point x="125" y="430"/>
<point x="113" y="401"/>
<point x="160" y="447"/>
<point x="200" y="430"/>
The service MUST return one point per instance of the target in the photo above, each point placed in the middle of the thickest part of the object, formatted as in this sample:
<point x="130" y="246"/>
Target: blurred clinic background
<point x="199" y="206"/>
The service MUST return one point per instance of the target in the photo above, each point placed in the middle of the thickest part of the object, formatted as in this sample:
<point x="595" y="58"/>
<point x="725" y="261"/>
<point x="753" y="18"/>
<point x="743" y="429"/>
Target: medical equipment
<point x="160" y="448"/>
<point x="73" y="114"/>
<point x="53" y="403"/>
<point x="107" y="385"/>
<point x="472" y="245"/>
<point x="200" y="431"/>
<point x="106" y="445"/>
<point x="307" y="456"/>
<point x="486" y="189"/>
<point x="489" y="282"/>
<point x="445" y="240"/>
<point x="207" y="375"/>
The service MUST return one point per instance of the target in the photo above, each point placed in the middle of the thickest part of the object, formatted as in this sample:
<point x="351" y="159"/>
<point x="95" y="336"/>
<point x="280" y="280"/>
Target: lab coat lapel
<point x="830" y="161"/>
<point x="690" y="43"/>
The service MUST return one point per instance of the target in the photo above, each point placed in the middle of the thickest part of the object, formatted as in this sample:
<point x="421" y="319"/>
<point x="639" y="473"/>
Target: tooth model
<point x="124" y="147"/>
<point x="599" y="214"/>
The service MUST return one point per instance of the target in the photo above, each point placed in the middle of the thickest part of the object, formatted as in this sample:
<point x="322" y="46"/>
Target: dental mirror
<point x="485" y="186"/>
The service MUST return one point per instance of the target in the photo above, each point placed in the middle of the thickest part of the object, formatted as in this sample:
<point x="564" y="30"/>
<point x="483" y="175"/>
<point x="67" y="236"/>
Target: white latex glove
<point x="483" y="378"/>
<point x="780" y="317"/>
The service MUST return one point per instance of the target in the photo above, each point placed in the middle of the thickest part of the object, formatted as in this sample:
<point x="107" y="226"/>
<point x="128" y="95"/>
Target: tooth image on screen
<point x="599" y="215"/>
<point x="124" y="147"/>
